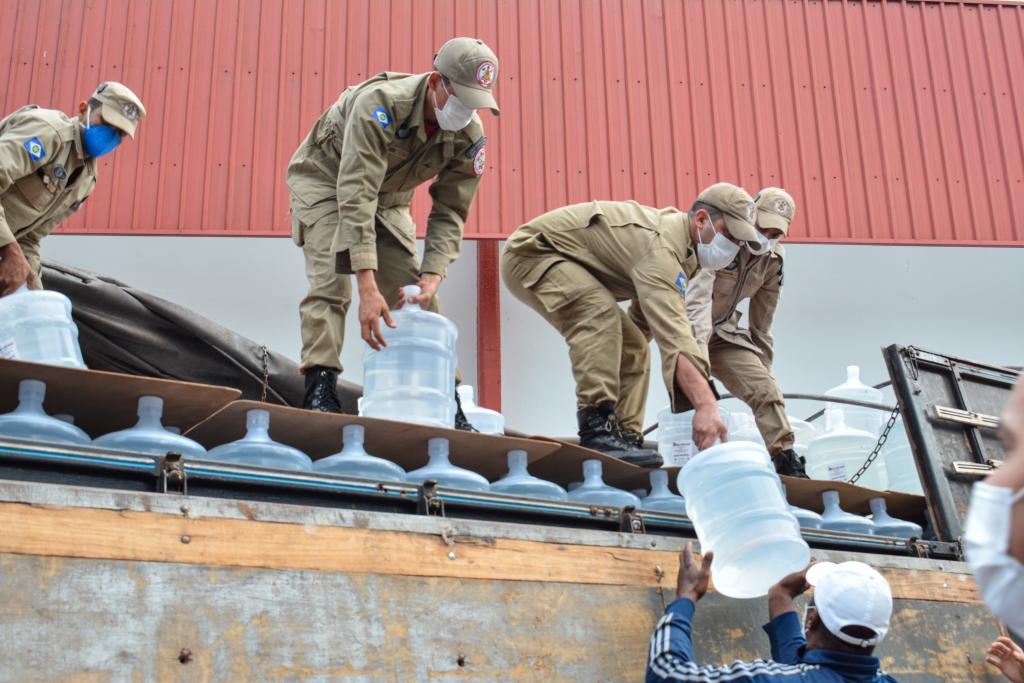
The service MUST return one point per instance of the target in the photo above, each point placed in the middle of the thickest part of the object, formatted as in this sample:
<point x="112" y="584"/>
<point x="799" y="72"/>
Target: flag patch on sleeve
<point x="35" y="149"/>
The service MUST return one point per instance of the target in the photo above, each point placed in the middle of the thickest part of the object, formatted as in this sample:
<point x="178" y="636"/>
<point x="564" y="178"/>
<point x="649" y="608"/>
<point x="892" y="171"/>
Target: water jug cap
<point x="29" y="389"/>
<point x="151" y="404"/>
<point x="257" y="419"/>
<point x="437" y="446"/>
<point x="591" y="468"/>
<point x="409" y="291"/>
<point x="877" y="505"/>
<point x="466" y="393"/>
<point x="516" y="460"/>
<point x="853" y="373"/>
<point x="830" y="497"/>
<point x="659" y="478"/>
<point x="353" y="434"/>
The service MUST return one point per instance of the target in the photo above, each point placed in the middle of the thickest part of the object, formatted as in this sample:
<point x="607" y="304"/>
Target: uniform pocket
<point x="298" y="236"/>
<point x="35" y="192"/>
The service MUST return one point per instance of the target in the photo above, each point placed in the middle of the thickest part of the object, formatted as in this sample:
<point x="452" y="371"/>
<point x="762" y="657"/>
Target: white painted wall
<point x="841" y="305"/>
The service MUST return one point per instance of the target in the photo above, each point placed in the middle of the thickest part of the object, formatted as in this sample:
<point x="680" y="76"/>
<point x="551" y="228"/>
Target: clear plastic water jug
<point x="661" y="499"/>
<point x="808" y="519"/>
<point x="257" y="449"/>
<point x="36" y="325"/>
<point x="803" y="433"/>
<point x="900" y="468"/>
<point x="837" y="454"/>
<point x="594" y="490"/>
<point x="354" y="461"/>
<point x="30" y="422"/>
<point x="868" y="419"/>
<point x="744" y="428"/>
<point x="734" y="499"/>
<point x="834" y="518"/>
<point x="412" y="379"/>
<point x="149" y="436"/>
<point x="887" y="525"/>
<point x="675" y="435"/>
<point x="485" y="420"/>
<point x="519" y="482"/>
<point x="440" y="469"/>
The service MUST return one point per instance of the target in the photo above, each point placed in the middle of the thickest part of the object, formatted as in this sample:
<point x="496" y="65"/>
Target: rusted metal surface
<point x="895" y="121"/>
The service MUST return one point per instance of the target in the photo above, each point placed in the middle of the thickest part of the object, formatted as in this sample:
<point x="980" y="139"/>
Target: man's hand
<point x="428" y="284"/>
<point x="693" y="580"/>
<point x="15" y="270"/>
<point x="372" y="307"/>
<point x="782" y="594"/>
<point x="1006" y="655"/>
<point x="708" y="426"/>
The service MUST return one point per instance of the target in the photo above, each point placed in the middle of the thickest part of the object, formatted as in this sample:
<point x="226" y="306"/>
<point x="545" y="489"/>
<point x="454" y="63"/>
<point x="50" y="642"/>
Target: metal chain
<point x="878" y="446"/>
<point x="266" y="374"/>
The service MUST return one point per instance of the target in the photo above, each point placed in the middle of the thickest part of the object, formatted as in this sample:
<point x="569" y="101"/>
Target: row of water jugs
<point x="834" y="453"/>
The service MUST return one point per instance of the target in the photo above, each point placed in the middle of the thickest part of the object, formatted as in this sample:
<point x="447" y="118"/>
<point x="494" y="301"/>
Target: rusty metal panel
<point x="891" y="122"/>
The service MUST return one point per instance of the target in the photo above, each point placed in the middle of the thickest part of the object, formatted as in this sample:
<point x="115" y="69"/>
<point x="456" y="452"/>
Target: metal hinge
<point x="630" y="521"/>
<point x="975" y="470"/>
<point x="429" y="503"/>
<point x="966" y="417"/>
<point x="171" y="473"/>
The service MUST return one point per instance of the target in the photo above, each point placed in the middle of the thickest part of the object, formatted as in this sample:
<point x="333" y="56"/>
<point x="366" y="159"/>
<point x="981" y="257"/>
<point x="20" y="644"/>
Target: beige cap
<point x="473" y="70"/>
<point x="737" y="208"/>
<point x="775" y="209"/>
<point x="121" y="107"/>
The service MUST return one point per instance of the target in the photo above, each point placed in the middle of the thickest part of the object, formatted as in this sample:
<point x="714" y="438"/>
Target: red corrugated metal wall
<point x="889" y="121"/>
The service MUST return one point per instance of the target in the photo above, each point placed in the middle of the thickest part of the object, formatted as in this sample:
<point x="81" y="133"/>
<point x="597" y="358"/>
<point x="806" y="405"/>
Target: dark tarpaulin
<point x="123" y="329"/>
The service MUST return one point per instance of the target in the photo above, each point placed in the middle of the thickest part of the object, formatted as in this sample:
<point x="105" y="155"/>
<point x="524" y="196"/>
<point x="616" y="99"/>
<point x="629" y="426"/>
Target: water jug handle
<point x="408" y="292"/>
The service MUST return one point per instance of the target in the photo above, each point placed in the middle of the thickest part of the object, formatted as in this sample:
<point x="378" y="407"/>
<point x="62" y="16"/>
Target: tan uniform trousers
<point x="746" y="378"/>
<point x="322" y="311"/>
<point x="608" y="352"/>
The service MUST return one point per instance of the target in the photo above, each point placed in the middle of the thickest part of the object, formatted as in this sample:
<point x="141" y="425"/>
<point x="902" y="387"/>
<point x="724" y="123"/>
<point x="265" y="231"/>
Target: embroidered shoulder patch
<point x="382" y="117"/>
<point x="681" y="283"/>
<point x="35" y="149"/>
<point x="476" y="147"/>
<point x="479" y="161"/>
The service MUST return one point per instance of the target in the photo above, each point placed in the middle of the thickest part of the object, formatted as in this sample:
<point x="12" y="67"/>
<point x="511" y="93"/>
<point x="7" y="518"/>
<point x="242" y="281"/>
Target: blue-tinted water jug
<point x="258" y="449"/>
<point x="354" y="461"/>
<point x="30" y="422"/>
<point x="440" y="469"/>
<point x="834" y="518"/>
<point x="594" y="490"/>
<point x="412" y="379"/>
<point x="661" y="498"/>
<point x="519" y="482"/>
<point x="887" y="525"/>
<point x="149" y="436"/>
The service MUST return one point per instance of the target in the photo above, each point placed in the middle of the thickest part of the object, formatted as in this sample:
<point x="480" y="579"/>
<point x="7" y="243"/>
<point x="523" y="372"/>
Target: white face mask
<point x="764" y="245"/>
<point x="455" y="115"/>
<point x="1000" y="577"/>
<point x="718" y="253"/>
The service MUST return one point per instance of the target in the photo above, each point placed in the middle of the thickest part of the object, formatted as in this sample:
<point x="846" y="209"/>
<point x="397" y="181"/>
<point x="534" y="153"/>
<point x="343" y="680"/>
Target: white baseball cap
<point x="851" y="594"/>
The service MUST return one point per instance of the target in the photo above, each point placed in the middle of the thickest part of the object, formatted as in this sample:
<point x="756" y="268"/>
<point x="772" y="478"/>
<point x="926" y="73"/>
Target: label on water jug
<point x="837" y="472"/>
<point x="680" y="453"/>
<point x="8" y="349"/>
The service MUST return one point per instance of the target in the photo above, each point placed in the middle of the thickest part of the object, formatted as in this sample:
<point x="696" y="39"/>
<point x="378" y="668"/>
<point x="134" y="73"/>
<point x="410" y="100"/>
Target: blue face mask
<point x="99" y="139"/>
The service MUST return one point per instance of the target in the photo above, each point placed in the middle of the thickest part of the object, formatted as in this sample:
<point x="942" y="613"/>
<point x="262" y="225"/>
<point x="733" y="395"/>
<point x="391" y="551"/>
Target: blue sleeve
<point x="671" y="644"/>
<point x="787" y="638"/>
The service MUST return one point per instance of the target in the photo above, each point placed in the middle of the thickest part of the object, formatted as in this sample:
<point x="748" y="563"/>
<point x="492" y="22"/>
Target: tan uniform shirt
<point x="714" y="296"/>
<point x="44" y="176"/>
<point x="365" y="156"/>
<point x="639" y="254"/>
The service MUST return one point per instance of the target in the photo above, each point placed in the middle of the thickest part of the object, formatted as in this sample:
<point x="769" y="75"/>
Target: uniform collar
<point x="856" y="667"/>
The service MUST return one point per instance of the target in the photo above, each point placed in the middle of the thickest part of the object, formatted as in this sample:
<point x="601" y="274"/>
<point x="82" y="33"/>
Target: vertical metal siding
<point x="894" y="121"/>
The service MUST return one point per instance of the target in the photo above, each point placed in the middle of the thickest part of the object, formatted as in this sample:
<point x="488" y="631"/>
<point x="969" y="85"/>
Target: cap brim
<point x="771" y="221"/>
<point x="817" y="571"/>
<point x="478" y="98"/>
<point x="740" y="229"/>
<point x="118" y="120"/>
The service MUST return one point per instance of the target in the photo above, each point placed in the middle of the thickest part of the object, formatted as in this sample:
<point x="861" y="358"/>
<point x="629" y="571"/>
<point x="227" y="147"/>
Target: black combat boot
<point x="599" y="430"/>
<point x="460" y="417"/>
<point x="788" y="463"/>
<point x="322" y="390"/>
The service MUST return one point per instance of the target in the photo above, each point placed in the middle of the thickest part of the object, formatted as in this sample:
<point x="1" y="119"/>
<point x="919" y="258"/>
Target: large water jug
<point x="675" y="436"/>
<point x="803" y="433"/>
<point x="868" y="419"/>
<point x="440" y="469"/>
<point x="834" y="518"/>
<point x="808" y="519"/>
<point x="661" y="499"/>
<point x="887" y="525"/>
<point x="744" y="428"/>
<point x="412" y="379"/>
<point x="485" y="420"/>
<point x="149" y="436"/>
<point x="735" y="502"/>
<point x="258" y="449"/>
<point x="900" y="468"/>
<point x="36" y="325"/>
<point x="594" y="490"/>
<point x="354" y="461"/>
<point x="519" y="482"/>
<point x="30" y="422"/>
<point x="837" y="454"/>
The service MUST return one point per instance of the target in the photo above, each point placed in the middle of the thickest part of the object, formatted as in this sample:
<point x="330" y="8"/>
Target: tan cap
<point x="121" y="107"/>
<point x="775" y="209"/>
<point x="473" y="70"/>
<point x="737" y="208"/>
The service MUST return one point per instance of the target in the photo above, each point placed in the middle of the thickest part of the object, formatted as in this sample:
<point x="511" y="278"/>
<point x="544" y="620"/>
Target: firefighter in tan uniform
<point x="351" y="182"/>
<point x="741" y="357"/>
<point x="573" y="265"/>
<point x="48" y="168"/>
